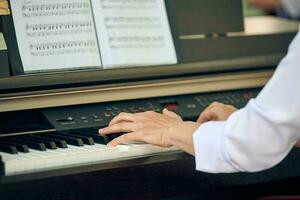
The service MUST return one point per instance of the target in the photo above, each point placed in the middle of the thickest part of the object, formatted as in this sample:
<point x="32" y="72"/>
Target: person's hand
<point x="149" y="127"/>
<point x="297" y="144"/>
<point x="165" y="130"/>
<point x="266" y="5"/>
<point x="216" y="112"/>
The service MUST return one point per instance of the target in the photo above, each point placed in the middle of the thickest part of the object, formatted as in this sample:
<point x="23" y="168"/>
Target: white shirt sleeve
<point x="261" y="134"/>
<point x="291" y="7"/>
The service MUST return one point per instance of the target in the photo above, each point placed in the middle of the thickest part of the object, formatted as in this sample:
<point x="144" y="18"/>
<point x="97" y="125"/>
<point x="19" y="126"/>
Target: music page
<point x="133" y="33"/>
<point x="55" y="34"/>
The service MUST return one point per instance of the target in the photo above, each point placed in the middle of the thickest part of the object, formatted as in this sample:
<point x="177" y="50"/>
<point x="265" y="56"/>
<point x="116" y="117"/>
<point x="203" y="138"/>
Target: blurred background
<point x="251" y="10"/>
<point x="282" y="8"/>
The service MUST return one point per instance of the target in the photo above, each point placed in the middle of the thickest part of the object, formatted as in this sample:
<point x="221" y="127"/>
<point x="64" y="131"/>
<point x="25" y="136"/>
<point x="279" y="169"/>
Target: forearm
<point x="181" y="136"/>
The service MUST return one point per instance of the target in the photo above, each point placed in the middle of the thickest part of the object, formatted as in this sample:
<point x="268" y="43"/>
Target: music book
<point x="81" y="34"/>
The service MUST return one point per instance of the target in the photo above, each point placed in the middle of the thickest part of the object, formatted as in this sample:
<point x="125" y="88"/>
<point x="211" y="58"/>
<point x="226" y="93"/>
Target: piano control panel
<point x="98" y="115"/>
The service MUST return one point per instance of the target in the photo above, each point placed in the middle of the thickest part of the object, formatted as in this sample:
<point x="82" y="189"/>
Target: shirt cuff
<point x="210" y="151"/>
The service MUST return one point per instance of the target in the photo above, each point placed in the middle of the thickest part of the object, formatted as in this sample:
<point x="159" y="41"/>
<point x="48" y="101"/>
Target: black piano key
<point x="20" y="147"/>
<point x="104" y="139"/>
<point x="111" y="137"/>
<point x="8" y="149"/>
<point x="93" y="130"/>
<point x="85" y="139"/>
<point x="96" y="132"/>
<point x="115" y="135"/>
<point x="97" y="138"/>
<point x="70" y="140"/>
<point x="107" y="138"/>
<point x="49" y="144"/>
<point x="31" y="144"/>
<point x="59" y="143"/>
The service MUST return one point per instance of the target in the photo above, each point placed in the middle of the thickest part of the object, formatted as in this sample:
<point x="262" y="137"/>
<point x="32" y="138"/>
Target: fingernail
<point x="100" y="131"/>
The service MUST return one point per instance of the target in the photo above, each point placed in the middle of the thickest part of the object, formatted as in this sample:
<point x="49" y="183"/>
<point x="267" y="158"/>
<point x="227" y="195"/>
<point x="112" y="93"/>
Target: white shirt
<point x="260" y="135"/>
<point x="291" y="7"/>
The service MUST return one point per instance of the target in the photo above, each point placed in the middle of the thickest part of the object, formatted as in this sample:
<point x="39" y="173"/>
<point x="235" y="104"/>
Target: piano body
<point x="49" y="121"/>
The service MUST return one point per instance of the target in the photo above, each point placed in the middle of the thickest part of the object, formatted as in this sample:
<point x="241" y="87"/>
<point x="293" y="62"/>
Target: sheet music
<point x="133" y="32"/>
<point x="55" y="34"/>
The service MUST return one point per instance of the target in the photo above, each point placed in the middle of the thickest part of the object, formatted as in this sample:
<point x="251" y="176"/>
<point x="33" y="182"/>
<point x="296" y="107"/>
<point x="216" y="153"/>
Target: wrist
<point x="181" y="135"/>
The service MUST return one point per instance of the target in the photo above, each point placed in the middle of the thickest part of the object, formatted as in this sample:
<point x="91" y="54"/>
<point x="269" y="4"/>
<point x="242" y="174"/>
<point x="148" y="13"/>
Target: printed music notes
<point x="56" y="9"/>
<point x="59" y="28"/>
<point x="55" y="34"/>
<point x="133" y="33"/>
<point x="60" y="48"/>
<point x="71" y="34"/>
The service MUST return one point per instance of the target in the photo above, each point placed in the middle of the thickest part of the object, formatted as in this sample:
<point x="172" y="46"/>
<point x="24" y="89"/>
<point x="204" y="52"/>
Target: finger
<point x="128" y="117"/>
<point x="125" y="138"/>
<point x="202" y="118"/>
<point x="149" y="113"/>
<point x="215" y="104"/>
<point x="171" y="114"/>
<point x="297" y="144"/>
<point x="206" y="116"/>
<point x="118" y="128"/>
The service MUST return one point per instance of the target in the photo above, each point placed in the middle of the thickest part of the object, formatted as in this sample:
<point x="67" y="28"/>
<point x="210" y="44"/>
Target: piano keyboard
<point x="34" y="153"/>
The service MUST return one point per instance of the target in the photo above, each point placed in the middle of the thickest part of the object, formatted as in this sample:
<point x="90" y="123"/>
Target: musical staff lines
<point x="137" y="42"/>
<point x="59" y="28"/>
<point x="62" y="48"/>
<point x="60" y="9"/>
<point x="128" y="4"/>
<point x="132" y="22"/>
<point x="55" y="34"/>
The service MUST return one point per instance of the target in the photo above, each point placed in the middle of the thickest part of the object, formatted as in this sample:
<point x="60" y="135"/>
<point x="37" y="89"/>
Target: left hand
<point x="149" y="127"/>
<point x="216" y="112"/>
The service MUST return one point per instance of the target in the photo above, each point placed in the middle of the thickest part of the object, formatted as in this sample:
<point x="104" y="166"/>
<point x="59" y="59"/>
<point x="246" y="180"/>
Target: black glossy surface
<point x="20" y="147"/>
<point x="157" y="181"/>
<point x="37" y="145"/>
<point x="69" y="139"/>
<point x="196" y="17"/>
<point x="7" y="148"/>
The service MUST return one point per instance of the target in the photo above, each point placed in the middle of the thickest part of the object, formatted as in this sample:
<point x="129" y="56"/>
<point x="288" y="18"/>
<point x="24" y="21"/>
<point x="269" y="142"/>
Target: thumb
<point x="171" y="114"/>
<point x="206" y="116"/>
<point x="202" y="118"/>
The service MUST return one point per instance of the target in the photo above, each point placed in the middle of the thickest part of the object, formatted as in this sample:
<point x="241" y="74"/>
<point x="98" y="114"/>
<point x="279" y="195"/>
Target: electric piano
<point x="49" y="120"/>
<point x="73" y="139"/>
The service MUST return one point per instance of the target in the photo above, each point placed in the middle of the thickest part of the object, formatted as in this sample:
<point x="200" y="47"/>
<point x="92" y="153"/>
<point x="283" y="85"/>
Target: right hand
<point x="297" y="144"/>
<point x="216" y="112"/>
<point x="220" y="112"/>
